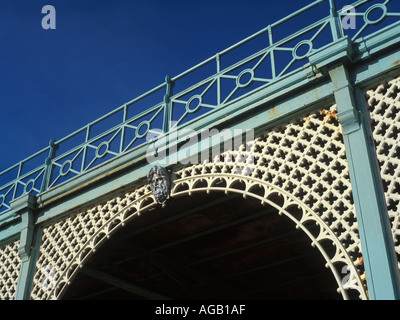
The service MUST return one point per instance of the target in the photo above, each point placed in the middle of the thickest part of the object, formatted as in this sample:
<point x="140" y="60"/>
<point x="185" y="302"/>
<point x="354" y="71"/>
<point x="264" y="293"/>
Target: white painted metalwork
<point x="10" y="264"/>
<point x="299" y="168"/>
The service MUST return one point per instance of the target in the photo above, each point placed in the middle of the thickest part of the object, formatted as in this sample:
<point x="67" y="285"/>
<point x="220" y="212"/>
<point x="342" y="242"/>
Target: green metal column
<point x="372" y="217"/>
<point x="28" y="246"/>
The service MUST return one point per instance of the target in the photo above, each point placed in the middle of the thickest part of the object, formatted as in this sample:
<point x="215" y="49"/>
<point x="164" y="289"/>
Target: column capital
<point x="24" y="206"/>
<point x="348" y="114"/>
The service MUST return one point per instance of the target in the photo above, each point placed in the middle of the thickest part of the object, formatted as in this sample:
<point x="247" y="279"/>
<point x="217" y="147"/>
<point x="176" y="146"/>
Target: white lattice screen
<point x="68" y="243"/>
<point x="304" y="160"/>
<point x="10" y="264"/>
<point x="384" y="105"/>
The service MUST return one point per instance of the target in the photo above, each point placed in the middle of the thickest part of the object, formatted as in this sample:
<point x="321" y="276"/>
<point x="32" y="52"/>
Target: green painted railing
<point x="252" y="64"/>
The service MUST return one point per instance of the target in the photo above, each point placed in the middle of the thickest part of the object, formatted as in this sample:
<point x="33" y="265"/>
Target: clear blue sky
<point x="102" y="54"/>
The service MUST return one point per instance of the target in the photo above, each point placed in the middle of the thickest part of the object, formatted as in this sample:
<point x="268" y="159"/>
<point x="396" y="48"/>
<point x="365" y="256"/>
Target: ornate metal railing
<point x="238" y="71"/>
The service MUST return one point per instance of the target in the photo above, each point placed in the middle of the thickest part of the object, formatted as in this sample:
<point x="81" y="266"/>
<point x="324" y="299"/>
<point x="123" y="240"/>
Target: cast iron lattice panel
<point x="10" y="264"/>
<point x="306" y="159"/>
<point x="384" y="104"/>
<point x="303" y="160"/>
<point x="67" y="244"/>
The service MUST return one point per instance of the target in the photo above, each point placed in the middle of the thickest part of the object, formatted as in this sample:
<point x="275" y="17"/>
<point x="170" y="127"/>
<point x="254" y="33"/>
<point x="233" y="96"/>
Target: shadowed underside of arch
<point x="284" y="204"/>
<point x="299" y="169"/>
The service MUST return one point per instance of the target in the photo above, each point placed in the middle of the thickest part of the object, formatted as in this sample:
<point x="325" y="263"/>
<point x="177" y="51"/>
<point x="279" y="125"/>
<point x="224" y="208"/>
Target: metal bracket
<point x="348" y="114"/>
<point x="313" y="72"/>
<point x="350" y="120"/>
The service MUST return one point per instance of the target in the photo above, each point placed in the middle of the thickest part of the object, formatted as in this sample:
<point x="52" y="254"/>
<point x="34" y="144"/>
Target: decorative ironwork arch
<point x="291" y="207"/>
<point x="123" y="210"/>
<point x="299" y="168"/>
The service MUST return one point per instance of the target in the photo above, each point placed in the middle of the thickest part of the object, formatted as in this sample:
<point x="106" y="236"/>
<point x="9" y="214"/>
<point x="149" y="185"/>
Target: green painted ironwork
<point x="227" y="88"/>
<point x="258" y="62"/>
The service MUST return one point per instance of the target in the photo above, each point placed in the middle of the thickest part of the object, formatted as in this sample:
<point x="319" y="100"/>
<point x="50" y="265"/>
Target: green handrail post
<point x="336" y="23"/>
<point x="168" y="104"/>
<point x="47" y="170"/>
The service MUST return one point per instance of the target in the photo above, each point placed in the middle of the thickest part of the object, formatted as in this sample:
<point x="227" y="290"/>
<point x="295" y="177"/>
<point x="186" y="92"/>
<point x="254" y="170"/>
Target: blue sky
<point x="102" y="54"/>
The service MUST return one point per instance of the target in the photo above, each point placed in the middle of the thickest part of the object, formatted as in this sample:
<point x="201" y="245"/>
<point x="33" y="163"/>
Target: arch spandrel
<point x="302" y="161"/>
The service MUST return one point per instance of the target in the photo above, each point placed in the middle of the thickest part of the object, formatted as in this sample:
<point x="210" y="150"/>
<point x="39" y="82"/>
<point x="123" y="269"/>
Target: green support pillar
<point x="24" y="206"/>
<point x="372" y="217"/>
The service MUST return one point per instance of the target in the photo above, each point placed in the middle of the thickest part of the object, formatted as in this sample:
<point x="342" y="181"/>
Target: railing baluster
<point x="168" y="104"/>
<point x="48" y="164"/>
<point x="16" y="183"/>
<point x="218" y="61"/>
<point x="272" y="52"/>
<point x="122" y="141"/>
<point x="85" y="147"/>
<point x="336" y="24"/>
